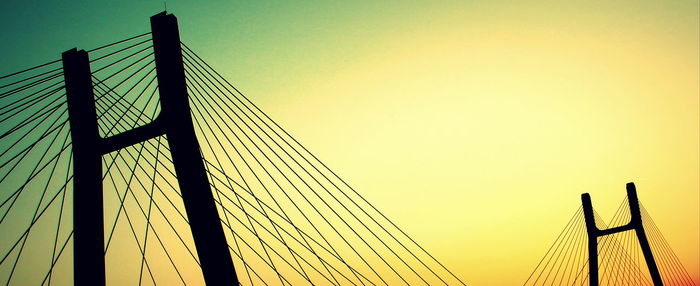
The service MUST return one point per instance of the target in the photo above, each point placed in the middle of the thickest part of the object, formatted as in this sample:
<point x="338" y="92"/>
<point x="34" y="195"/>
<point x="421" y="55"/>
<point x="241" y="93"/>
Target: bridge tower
<point x="634" y="224"/>
<point x="175" y="123"/>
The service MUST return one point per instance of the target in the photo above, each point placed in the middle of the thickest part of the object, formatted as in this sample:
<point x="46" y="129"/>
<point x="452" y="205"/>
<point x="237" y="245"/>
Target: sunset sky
<point x="473" y="125"/>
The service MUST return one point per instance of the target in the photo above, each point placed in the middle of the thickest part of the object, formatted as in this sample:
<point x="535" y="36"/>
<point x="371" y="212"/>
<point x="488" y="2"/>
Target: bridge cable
<point x="196" y="89"/>
<point x="610" y="248"/>
<point x="27" y="102"/>
<point x="122" y="200"/>
<point x="617" y="260"/>
<point x="297" y="240"/>
<point x="183" y="217"/>
<point x="129" y="153"/>
<point x="273" y="178"/>
<point x="131" y="226"/>
<point x="150" y="205"/>
<point x="26" y="231"/>
<point x="167" y="198"/>
<point x="45" y="116"/>
<point x="45" y="75"/>
<point x="119" y="51"/>
<point x="621" y="252"/>
<point x="36" y="218"/>
<point x="573" y="218"/>
<point x="277" y="155"/>
<point x="275" y="224"/>
<point x="35" y="171"/>
<point x="123" y="69"/>
<point x="156" y="186"/>
<point x="278" y="214"/>
<point x="54" y="255"/>
<point x="124" y="58"/>
<point x="55" y="260"/>
<point x="238" y="171"/>
<point x="44" y="113"/>
<point x="574" y="232"/>
<point x="131" y="104"/>
<point x="568" y="253"/>
<point x="30" y="85"/>
<point x="164" y="146"/>
<point x="578" y="257"/>
<point x="665" y="250"/>
<point x="303" y="196"/>
<point x="328" y="169"/>
<point x="263" y="184"/>
<point x="117" y="123"/>
<point x="30" y="69"/>
<point x="307" y="172"/>
<point x="277" y="253"/>
<point x="105" y="92"/>
<point x="566" y="244"/>
<point x="118" y="42"/>
<point x="260" y="239"/>
<point x="41" y="198"/>
<point x="133" y="173"/>
<point x="218" y="194"/>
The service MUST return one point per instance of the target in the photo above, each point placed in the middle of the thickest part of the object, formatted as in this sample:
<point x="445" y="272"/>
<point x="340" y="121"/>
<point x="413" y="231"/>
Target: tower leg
<point x="174" y="122"/>
<point x="592" y="231"/>
<point x="205" y="224"/>
<point x="634" y="224"/>
<point x="636" y="214"/>
<point x="88" y="221"/>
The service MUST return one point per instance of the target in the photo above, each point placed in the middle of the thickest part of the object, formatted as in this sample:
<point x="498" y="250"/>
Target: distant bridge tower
<point x="175" y="122"/>
<point x="634" y="224"/>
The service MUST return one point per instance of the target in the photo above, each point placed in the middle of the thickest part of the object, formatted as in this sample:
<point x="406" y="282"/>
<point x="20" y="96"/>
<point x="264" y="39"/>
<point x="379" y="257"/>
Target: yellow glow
<point x="478" y="130"/>
<point x="473" y="125"/>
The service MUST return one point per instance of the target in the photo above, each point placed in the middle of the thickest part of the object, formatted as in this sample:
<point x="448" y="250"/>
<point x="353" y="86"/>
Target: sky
<point x="474" y="125"/>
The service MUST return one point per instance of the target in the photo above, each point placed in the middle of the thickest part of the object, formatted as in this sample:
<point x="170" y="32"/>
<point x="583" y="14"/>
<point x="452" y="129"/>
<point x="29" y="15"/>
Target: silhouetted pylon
<point x="634" y="224"/>
<point x="175" y="122"/>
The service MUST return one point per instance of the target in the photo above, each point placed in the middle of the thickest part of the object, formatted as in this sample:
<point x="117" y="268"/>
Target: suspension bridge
<point x="629" y="249"/>
<point x="137" y="163"/>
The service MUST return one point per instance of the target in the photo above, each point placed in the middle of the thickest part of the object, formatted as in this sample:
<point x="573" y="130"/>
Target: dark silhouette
<point x="634" y="224"/>
<point x="174" y="122"/>
<point x="88" y="221"/>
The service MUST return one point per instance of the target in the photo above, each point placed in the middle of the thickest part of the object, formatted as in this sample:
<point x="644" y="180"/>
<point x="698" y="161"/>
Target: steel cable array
<point x="621" y="261"/>
<point x="289" y="219"/>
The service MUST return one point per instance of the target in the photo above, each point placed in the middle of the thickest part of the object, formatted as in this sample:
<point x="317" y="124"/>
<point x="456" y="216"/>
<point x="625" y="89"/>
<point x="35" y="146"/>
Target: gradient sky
<point x="474" y="125"/>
